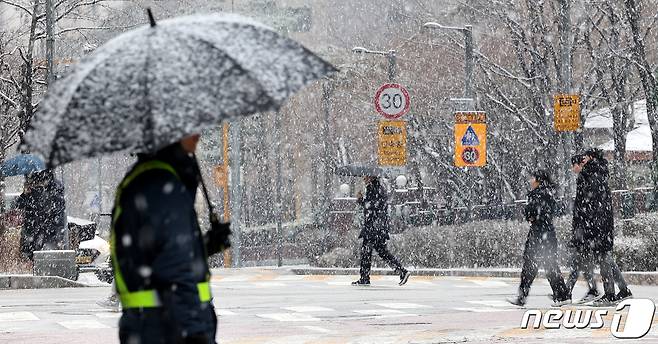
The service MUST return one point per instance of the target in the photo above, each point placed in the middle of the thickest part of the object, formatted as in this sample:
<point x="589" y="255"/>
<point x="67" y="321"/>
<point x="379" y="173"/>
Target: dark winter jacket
<point x="44" y="213"/>
<point x="375" y="213"/>
<point x="593" y="223"/>
<point x="540" y="209"/>
<point x="159" y="246"/>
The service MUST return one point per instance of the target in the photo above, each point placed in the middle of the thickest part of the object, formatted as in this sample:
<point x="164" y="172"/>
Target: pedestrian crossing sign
<point x="470" y="139"/>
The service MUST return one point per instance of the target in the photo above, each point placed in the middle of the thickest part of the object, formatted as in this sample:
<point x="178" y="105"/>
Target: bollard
<point x="55" y="263"/>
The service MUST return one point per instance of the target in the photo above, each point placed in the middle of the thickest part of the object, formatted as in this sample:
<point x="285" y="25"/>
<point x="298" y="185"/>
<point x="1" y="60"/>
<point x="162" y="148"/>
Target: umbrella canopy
<point x="360" y="171"/>
<point x="21" y="165"/>
<point x="152" y="86"/>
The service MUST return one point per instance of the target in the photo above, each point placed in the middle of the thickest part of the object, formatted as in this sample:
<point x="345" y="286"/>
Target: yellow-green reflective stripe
<point x="204" y="291"/>
<point x="140" y="299"/>
<point x="150" y="298"/>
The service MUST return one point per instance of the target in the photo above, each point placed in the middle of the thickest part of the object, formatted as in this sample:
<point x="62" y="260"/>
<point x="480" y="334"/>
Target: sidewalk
<point x="632" y="277"/>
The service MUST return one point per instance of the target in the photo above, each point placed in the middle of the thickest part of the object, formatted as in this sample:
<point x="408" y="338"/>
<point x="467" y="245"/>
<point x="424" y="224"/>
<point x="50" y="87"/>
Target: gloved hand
<point x="199" y="338"/>
<point x="217" y="238"/>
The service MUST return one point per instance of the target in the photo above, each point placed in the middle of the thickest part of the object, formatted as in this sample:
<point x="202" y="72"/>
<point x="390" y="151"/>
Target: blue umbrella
<point x="21" y="165"/>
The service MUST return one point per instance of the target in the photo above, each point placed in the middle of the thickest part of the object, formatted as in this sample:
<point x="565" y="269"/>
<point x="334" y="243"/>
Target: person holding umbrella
<point x="541" y="245"/>
<point x="150" y="91"/>
<point x="375" y="231"/>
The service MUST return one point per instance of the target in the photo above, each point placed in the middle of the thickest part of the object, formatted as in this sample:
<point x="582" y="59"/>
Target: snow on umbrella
<point x="152" y="86"/>
<point x="21" y="165"/>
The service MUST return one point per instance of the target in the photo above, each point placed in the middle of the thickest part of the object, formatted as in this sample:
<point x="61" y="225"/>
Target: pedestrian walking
<point x="44" y="213"/>
<point x="541" y="244"/>
<point x="375" y="231"/>
<point x="593" y="216"/>
<point x="582" y="259"/>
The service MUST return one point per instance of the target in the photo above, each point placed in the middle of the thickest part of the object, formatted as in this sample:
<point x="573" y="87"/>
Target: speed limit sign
<point x="392" y="101"/>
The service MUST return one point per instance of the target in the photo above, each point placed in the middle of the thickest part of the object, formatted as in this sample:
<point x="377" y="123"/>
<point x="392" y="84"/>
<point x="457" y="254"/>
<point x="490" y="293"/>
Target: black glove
<point x="217" y="238"/>
<point x="200" y="338"/>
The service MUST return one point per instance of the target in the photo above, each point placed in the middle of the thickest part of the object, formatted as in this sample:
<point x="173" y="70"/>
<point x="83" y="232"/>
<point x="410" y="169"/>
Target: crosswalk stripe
<point x="82" y="324"/>
<point x="402" y="305"/>
<point x="293" y="317"/>
<point x="378" y="311"/>
<point x="17" y="316"/>
<point x="308" y="309"/>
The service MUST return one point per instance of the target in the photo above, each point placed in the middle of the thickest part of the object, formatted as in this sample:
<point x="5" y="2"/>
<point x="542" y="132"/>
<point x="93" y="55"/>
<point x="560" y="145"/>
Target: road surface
<point x="274" y="306"/>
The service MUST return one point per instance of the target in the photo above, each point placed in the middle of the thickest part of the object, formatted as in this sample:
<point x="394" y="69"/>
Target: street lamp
<point x="469" y="57"/>
<point x="390" y="55"/>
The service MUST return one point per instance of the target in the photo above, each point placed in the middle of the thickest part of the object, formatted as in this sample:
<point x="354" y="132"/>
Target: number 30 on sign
<point x="392" y="101"/>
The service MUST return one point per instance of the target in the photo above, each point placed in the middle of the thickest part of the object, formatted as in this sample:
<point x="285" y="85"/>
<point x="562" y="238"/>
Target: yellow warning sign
<point x="566" y="108"/>
<point x="470" y="139"/>
<point x="392" y="148"/>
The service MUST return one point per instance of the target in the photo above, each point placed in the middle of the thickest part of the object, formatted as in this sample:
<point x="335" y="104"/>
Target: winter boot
<point x="361" y="282"/>
<point x="404" y="277"/>
<point x="624" y="295"/>
<point x="606" y="301"/>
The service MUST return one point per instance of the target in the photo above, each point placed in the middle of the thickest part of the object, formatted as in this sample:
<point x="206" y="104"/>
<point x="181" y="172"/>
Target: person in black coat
<point x="375" y="231"/>
<point x="159" y="255"/>
<point x="581" y="257"/>
<point x="593" y="216"/>
<point x="44" y="213"/>
<point x="541" y="245"/>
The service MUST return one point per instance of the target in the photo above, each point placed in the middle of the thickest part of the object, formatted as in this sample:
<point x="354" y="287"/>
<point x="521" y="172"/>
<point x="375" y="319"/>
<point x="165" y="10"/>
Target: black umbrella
<point x="152" y="86"/>
<point x="360" y="171"/>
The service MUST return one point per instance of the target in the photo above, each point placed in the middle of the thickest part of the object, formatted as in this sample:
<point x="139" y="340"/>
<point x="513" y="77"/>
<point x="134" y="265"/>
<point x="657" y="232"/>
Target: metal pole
<point x="326" y="102"/>
<point x="392" y="64"/>
<point x="566" y="81"/>
<point x="236" y="193"/>
<point x="469" y="65"/>
<point x="278" y="205"/>
<point x="50" y="41"/>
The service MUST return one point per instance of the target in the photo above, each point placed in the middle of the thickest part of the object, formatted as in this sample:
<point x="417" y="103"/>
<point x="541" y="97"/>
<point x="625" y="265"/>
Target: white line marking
<point x="112" y="315"/>
<point x="482" y="309"/>
<point x="317" y="329"/>
<point x="492" y="303"/>
<point x="267" y="284"/>
<point x="290" y="278"/>
<point x="223" y="312"/>
<point x="82" y="324"/>
<point x="402" y="305"/>
<point x="340" y="283"/>
<point x="378" y="311"/>
<point x="490" y="284"/>
<point x="288" y="317"/>
<point x="308" y="309"/>
<point x="17" y="316"/>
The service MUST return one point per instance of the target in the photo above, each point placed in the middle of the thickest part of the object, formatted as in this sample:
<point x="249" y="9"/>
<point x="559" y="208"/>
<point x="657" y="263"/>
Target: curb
<point x="37" y="282"/>
<point x="631" y="277"/>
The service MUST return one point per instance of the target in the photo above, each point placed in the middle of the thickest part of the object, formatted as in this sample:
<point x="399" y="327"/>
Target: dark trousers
<point x="366" y="257"/>
<point x="541" y="248"/>
<point x="610" y="274"/>
<point x="582" y="261"/>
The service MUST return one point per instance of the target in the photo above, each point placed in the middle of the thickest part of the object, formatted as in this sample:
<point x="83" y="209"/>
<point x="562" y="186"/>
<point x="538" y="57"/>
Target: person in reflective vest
<point x="159" y="255"/>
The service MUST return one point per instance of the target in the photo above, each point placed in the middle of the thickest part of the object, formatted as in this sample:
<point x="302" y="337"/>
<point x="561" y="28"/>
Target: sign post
<point x="566" y="109"/>
<point x="392" y="101"/>
<point x="470" y="139"/>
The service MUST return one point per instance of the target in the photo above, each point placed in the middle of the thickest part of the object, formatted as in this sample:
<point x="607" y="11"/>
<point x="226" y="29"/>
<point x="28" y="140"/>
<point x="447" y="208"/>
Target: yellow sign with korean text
<point x="566" y="109"/>
<point x="392" y="147"/>
<point x="470" y="139"/>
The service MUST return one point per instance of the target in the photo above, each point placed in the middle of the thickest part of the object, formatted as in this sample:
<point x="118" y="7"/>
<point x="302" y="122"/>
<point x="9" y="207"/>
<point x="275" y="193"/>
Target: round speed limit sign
<point x="392" y="101"/>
